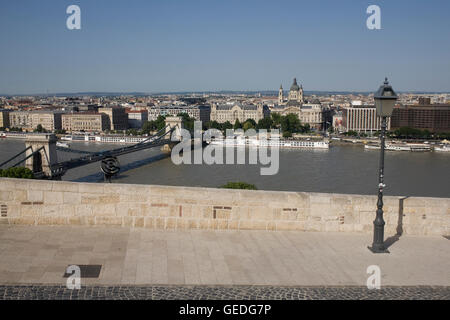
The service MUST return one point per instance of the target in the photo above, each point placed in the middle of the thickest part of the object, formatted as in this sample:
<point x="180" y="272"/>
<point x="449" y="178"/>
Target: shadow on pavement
<point x="391" y="240"/>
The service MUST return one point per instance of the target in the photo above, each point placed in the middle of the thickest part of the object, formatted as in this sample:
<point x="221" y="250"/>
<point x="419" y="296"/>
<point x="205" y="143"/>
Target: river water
<point x="346" y="169"/>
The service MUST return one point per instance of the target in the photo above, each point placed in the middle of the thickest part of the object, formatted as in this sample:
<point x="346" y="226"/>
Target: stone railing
<point x="34" y="202"/>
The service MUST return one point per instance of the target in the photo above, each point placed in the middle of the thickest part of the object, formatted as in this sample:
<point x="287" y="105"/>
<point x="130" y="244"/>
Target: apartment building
<point x="199" y="113"/>
<point x="231" y="113"/>
<point x="86" y="121"/>
<point x="362" y="118"/>
<point x="118" y="118"/>
<point x="29" y="120"/>
<point x="4" y="119"/>
<point x="137" y="118"/>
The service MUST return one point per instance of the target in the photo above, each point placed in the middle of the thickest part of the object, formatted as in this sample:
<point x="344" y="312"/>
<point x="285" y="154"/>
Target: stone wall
<point x="35" y="202"/>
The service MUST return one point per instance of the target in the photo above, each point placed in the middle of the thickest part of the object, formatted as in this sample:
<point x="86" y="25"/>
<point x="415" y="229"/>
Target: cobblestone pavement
<point x="45" y="292"/>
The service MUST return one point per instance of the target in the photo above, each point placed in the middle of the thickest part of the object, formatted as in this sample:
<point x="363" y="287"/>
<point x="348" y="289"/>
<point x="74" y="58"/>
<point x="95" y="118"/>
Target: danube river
<point x="341" y="169"/>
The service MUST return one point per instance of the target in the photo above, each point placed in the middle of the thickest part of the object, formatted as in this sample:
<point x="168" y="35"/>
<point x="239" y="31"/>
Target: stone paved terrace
<point x="138" y="256"/>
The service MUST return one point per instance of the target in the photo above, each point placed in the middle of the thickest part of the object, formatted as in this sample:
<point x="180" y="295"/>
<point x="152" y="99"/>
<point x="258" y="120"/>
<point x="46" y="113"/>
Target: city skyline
<point x="206" y="46"/>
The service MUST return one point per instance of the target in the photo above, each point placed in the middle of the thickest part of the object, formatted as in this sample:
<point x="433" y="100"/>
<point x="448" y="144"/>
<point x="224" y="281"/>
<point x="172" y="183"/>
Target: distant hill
<point x="227" y="92"/>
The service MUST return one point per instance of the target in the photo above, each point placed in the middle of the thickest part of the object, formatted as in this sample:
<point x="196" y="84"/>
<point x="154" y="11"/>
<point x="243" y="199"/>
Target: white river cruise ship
<point x="241" y="142"/>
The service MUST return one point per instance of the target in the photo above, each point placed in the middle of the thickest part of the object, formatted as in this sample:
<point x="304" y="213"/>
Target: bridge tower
<point x="173" y="122"/>
<point x="40" y="163"/>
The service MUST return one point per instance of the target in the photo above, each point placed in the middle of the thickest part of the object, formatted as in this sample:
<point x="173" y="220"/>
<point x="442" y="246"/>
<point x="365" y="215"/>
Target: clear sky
<point x="195" y="45"/>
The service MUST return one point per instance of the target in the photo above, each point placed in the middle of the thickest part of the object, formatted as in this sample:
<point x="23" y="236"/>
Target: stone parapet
<point x="35" y="202"/>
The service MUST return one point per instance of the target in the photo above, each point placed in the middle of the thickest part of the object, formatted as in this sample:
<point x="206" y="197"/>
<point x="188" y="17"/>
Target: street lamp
<point x="385" y="99"/>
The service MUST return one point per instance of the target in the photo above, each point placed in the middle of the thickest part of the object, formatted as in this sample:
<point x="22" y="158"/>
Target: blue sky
<point x="195" y="45"/>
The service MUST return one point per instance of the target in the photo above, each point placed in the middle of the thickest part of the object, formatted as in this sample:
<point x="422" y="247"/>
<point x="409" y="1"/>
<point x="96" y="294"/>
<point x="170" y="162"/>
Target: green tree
<point x="306" y="128"/>
<point x="17" y="172"/>
<point x="39" y="128"/>
<point x="249" y="124"/>
<point x="276" y="120"/>
<point x="227" y="125"/>
<point x="148" y="127"/>
<point x="160" y="122"/>
<point x="60" y="131"/>
<point x="154" y="125"/>
<point x="237" y="125"/>
<point x="265" y="123"/>
<point x="132" y="132"/>
<point x="188" y="122"/>
<point x="239" y="185"/>
<point x="214" y="125"/>
<point x="290" y="123"/>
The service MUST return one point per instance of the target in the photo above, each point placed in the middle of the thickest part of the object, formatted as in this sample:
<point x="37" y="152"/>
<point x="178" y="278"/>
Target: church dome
<point x="295" y="86"/>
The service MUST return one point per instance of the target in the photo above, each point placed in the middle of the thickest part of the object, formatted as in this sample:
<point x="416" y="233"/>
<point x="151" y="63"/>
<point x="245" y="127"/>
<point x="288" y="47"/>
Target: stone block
<point x="107" y="220"/>
<point x="284" y="225"/>
<point x="71" y="198"/>
<point x="31" y="210"/>
<point x="129" y="210"/>
<point x="222" y="224"/>
<point x="206" y="224"/>
<point x="332" y="226"/>
<point x="6" y="196"/>
<point x="20" y="195"/>
<point x="77" y="221"/>
<point x="139" y="222"/>
<point x="174" y="211"/>
<point x="40" y="185"/>
<point x="320" y="209"/>
<point x="222" y="214"/>
<point x="171" y="223"/>
<point x="99" y="199"/>
<point x="35" y="196"/>
<point x="89" y="221"/>
<point x="65" y="186"/>
<point x="259" y="225"/>
<point x="245" y="225"/>
<point x="133" y="198"/>
<point x="128" y="221"/>
<point x="233" y="225"/>
<point x="83" y="210"/>
<point x="207" y="212"/>
<point x="104" y="210"/>
<point x="9" y="184"/>
<point x="186" y="211"/>
<point x="192" y="224"/>
<point x="271" y="226"/>
<point x="319" y="198"/>
<point x="149" y="222"/>
<point x="23" y="220"/>
<point x="181" y="224"/>
<point x="53" y="197"/>
<point x="51" y="210"/>
<point x="160" y="223"/>
<point x="90" y="188"/>
<point x="68" y="210"/>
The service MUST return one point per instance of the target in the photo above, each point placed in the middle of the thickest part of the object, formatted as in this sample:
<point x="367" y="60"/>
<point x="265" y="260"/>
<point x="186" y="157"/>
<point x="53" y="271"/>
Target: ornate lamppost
<point x="385" y="99"/>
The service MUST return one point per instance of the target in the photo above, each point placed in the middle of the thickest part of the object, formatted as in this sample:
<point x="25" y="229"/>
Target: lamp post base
<point x="378" y="250"/>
